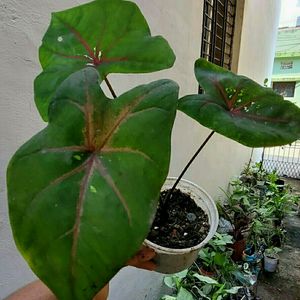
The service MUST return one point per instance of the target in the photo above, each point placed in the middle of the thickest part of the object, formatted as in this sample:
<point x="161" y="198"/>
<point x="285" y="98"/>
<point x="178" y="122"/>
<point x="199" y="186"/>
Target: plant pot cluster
<point x="257" y="212"/>
<point x="229" y="265"/>
<point x="213" y="275"/>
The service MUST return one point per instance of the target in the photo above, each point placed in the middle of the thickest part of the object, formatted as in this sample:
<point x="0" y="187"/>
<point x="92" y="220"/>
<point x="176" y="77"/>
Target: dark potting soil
<point x="179" y="223"/>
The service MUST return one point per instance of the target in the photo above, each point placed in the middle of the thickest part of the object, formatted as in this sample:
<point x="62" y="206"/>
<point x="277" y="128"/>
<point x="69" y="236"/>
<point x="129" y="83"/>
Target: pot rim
<point x="274" y="256"/>
<point x="212" y="229"/>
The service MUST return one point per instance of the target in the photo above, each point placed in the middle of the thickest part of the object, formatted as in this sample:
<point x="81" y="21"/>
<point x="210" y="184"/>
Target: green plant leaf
<point x="220" y="259"/>
<point x="240" y="109"/>
<point x="234" y="290"/>
<point x="83" y="191"/>
<point x="182" y="274"/>
<point x="205" y="279"/>
<point x="167" y="297"/>
<point x="111" y="35"/>
<point x="169" y="282"/>
<point x="206" y="289"/>
<point x="184" y="295"/>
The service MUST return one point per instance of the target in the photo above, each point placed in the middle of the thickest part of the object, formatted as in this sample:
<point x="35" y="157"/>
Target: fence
<point x="284" y="159"/>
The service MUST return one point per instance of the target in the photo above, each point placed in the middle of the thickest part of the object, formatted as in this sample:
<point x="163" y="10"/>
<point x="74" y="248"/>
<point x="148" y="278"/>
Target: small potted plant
<point x="271" y="259"/>
<point x="237" y="209"/>
<point x="214" y="259"/>
<point x="197" y="283"/>
<point x="181" y="227"/>
<point x="83" y="192"/>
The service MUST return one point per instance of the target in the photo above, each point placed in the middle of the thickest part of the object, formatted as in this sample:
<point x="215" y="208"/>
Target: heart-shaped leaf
<point x="111" y="35"/>
<point x="83" y="192"/>
<point x="239" y="108"/>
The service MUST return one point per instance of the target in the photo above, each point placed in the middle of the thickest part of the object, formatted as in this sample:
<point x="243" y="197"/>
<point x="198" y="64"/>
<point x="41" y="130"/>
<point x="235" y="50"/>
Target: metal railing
<point x="284" y="159"/>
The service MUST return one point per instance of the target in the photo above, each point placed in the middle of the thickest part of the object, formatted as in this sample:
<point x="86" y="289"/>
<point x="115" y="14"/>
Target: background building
<point x="290" y="13"/>
<point x="286" y="81"/>
<point x="286" y="70"/>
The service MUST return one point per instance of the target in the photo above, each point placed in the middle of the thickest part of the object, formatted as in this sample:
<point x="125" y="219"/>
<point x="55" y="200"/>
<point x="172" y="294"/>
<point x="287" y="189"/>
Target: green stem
<point x="187" y="166"/>
<point x="110" y="88"/>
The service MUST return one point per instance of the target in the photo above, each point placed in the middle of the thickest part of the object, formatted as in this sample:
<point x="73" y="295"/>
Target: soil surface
<point x="179" y="223"/>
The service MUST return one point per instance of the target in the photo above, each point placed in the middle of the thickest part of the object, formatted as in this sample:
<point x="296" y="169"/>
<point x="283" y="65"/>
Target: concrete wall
<point x="22" y="24"/>
<point x="258" y="45"/>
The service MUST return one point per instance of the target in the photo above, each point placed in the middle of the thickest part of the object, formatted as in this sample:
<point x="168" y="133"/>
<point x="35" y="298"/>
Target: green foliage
<point x="83" y="192"/>
<point x="183" y="294"/>
<point x="110" y="35"/>
<point x="273" y="251"/>
<point x="280" y="202"/>
<point x="257" y="211"/>
<point x="195" y="286"/>
<point x="78" y="205"/>
<point x="241" y="109"/>
<point x="216" y="257"/>
<point x="216" y="253"/>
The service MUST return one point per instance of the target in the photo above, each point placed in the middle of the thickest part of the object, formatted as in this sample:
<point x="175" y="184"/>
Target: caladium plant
<point x="241" y="109"/>
<point x="110" y="35"/>
<point x="83" y="192"/>
<point x="94" y="182"/>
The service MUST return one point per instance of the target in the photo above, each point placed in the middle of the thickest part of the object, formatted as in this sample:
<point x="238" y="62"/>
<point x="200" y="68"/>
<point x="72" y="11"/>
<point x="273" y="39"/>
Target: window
<point x="284" y="65"/>
<point x="218" y="30"/>
<point x="298" y="3"/>
<point x="285" y="89"/>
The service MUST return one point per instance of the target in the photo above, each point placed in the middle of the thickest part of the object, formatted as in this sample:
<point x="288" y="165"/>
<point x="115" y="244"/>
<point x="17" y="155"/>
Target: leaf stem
<point x="187" y="166"/>
<point x="110" y="88"/>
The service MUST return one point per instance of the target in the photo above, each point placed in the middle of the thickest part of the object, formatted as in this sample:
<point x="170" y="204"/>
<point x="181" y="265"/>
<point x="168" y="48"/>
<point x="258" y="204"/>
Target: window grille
<point x="284" y="65"/>
<point x="218" y="31"/>
<point x="285" y="89"/>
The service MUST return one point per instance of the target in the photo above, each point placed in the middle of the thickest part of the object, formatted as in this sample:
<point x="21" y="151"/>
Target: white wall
<point x="222" y="158"/>
<point x="258" y="46"/>
<point x="22" y="24"/>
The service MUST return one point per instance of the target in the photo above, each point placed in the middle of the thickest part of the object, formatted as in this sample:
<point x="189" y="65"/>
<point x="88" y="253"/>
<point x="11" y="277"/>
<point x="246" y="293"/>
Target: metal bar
<point x="212" y="48"/>
<point x="285" y="159"/>
<point x="218" y="24"/>
<point x="224" y="32"/>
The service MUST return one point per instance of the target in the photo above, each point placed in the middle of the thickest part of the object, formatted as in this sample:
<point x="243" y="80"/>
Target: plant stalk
<point x="187" y="166"/>
<point x="110" y="88"/>
<point x="250" y="160"/>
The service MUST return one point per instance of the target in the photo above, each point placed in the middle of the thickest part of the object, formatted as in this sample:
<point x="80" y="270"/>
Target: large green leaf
<point x="111" y="35"/>
<point x="83" y="192"/>
<point x="184" y="294"/>
<point x="239" y="108"/>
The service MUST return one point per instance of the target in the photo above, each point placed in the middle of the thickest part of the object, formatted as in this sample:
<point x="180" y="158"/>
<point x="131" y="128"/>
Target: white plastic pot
<point x="170" y="260"/>
<point x="270" y="262"/>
